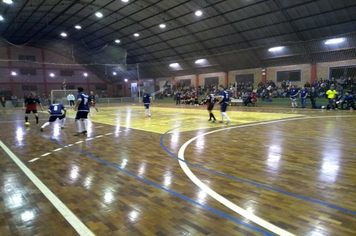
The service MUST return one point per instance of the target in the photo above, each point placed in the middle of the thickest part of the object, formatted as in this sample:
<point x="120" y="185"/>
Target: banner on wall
<point x="134" y="90"/>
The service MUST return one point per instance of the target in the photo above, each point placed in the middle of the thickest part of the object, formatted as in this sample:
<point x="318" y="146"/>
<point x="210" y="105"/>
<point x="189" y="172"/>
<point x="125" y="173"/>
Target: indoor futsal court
<point x="136" y="150"/>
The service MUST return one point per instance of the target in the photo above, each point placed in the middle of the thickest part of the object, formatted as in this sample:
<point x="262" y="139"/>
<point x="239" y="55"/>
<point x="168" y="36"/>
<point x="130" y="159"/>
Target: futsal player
<point x="92" y="98"/>
<point x="146" y="99"/>
<point x="294" y="91"/>
<point x="82" y="107"/>
<point x="31" y="106"/>
<point x="55" y="110"/>
<point x="224" y="102"/>
<point x="210" y="104"/>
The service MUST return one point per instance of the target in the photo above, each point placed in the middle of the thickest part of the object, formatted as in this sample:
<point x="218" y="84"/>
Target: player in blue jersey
<point x="82" y="107"/>
<point x="147" y="100"/>
<point x="55" y="110"/>
<point x="294" y="91"/>
<point x="224" y="102"/>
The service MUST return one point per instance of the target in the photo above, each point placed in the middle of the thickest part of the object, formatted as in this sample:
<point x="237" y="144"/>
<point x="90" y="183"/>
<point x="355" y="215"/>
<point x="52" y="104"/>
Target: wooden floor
<point x="272" y="171"/>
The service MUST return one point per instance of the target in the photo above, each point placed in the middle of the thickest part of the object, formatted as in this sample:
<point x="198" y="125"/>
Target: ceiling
<point x="229" y="35"/>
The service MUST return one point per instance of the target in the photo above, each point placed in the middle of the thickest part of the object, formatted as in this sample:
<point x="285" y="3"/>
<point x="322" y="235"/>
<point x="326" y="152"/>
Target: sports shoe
<point x="41" y="129"/>
<point x="84" y="132"/>
<point x="221" y="122"/>
<point x="77" y="134"/>
<point x="62" y="127"/>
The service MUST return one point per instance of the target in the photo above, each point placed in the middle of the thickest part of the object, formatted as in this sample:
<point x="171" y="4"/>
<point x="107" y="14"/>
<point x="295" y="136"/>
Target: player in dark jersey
<point x="210" y="104"/>
<point x="82" y="107"/>
<point x="55" y="110"/>
<point x="92" y="98"/>
<point x="224" y="102"/>
<point x="146" y="99"/>
<point x="31" y="105"/>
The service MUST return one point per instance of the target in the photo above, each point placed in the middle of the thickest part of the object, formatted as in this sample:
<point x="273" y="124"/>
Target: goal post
<point x="60" y="96"/>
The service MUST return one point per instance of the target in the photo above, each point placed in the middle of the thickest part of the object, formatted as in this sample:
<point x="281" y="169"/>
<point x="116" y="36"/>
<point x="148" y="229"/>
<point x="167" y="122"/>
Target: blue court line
<point x="253" y="183"/>
<point x="163" y="188"/>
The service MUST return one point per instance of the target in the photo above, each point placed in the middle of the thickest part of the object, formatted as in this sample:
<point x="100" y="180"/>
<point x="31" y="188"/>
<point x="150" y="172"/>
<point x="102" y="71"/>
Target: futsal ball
<point x="27" y="124"/>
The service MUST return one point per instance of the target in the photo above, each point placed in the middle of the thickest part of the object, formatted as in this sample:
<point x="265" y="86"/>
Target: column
<point x="226" y="81"/>
<point x="313" y="73"/>
<point x="10" y="70"/>
<point x="196" y="81"/>
<point x="44" y="71"/>
<point x="264" y="75"/>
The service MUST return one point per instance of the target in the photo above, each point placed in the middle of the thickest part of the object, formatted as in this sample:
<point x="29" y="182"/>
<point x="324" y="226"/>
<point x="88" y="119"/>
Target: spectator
<point x="313" y="95"/>
<point x="3" y="100"/>
<point x="14" y="100"/>
<point x="303" y="97"/>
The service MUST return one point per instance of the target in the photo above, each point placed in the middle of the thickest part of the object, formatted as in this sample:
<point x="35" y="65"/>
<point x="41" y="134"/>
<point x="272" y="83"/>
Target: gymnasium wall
<point x="221" y="76"/>
<point x="257" y="73"/>
<point x="305" y="68"/>
<point x="42" y="81"/>
<point x="322" y="69"/>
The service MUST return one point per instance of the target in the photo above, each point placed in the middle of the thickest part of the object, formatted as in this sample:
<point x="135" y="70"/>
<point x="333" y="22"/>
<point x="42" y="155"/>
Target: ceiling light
<point x="86" y="74"/>
<point x="77" y="27"/>
<point x="136" y="34"/>
<point x="13" y="73"/>
<point x="126" y="80"/>
<point x="200" y="61"/>
<point x="334" y="41"/>
<point x="52" y="74"/>
<point x="63" y="34"/>
<point x="174" y="65"/>
<point x="124" y="0"/>
<point x="98" y="14"/>
<point x="1" y="18"/>
<point x="275" y="49"/>
<point x="198" y="13"/>
<point x="162" y="26"/>
<point x="114" y="73"/>
<point x="7" y="1"/>
<point x="117" y="41"/>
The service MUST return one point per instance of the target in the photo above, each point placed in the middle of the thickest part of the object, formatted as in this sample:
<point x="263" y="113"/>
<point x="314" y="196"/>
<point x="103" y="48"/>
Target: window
<point x="185" y="82"/>
<point x="291" y="75"/>
<point x="341" y="72"/>
<point x="69" y="73"/>
<point x="245" y="78"/>
<point x="29" y="88"/>
<point x="28" y="72"/>
<point x="101" y="87"/>
<point x="70" y="86"/>
<point x="119" y="87"/>
<point x="211" y="80"/>
<point x="27" y="58"/>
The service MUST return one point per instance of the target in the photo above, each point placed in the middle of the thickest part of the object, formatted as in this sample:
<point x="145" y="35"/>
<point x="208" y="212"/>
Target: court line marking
<point x="46" y="154"/>
<point x="34" y="159"/>
<point x="72" y="219"/>
<point x="163" y="188"/>
<point x="257" y="184"/>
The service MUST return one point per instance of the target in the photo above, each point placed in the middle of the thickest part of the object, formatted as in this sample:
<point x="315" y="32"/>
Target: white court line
<point x="99" y="127"/>
<point x="79" y="226"/>
<point x="89" y="138"/>
<point x="34" y="159"/>
<point x="99" y="136"/>
<point x="46" y="154"/>
<point x="223" y="200"/>
<point x="69" y="145"/>
<point x="78" y="142"/>
<point x="58" y="149"/>
<point x="111" y="133"/>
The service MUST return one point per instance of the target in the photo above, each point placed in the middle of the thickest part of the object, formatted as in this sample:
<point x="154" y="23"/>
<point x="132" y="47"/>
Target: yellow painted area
<point x="164" y="119"/>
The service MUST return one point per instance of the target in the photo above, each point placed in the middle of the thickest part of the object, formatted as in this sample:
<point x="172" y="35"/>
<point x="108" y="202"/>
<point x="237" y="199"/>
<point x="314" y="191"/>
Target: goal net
<point x="60" y="96"/>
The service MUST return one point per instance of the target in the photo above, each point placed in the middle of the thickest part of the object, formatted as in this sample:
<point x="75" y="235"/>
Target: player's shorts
<point x="210" y="106"/>
<point x="293" y="98"/>
<point x="81" y="115"/>
<point x="223" y="107"/>
<point x="54" y="118"/>
<point x="29" y="111"/>
<point x="147" y="106"/>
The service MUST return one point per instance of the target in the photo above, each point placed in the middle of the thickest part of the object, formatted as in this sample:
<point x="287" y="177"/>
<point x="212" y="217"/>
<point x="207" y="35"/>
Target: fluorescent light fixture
<point x="63" y="34"/>
<point x="174" y="65"/>
<point x="52" y="74"/>
<point x="198" y="13"/>
<point x="98" y="14"/>
<point x="117" y="41"/>
<point x="136" y="34"/>
<point x="126" y="80"/>
<point x="13" y="73"/>
<point x="1" y="18"/>
<point x="114" y="73"/>
<point x="200" y="61"/>
<point x="7" y="1"/>
<point x="162" y="26"/>
<point x="334" y="41"/>
<point x="124" y="0"/>
<point x="77" y="27"/>
<point x="86" y="74"/>
<point x="275" y="49"/>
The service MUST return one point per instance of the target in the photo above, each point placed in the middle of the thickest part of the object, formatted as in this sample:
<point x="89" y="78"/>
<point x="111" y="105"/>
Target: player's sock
<point x="26" y="119"/>
<point x="148" y="112"/>
<point x="224" y="114"/>
<point x="209" y="116"/>
<point x="63" y="122"/>
<point x="79" y="126"/>
<point x="45" y="125"/>
<point x="36" y="119"/>
<point x="85" y="123"/>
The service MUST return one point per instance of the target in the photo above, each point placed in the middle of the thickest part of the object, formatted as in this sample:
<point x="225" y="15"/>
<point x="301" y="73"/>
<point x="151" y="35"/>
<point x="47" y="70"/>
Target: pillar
<point x="313" y="73"/>
<point x="264" y="75"/>
<point x="196" y="81"/>
<point x="226" y="79"/>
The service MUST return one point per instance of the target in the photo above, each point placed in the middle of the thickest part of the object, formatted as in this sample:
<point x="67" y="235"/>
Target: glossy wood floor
<point x="295" y="169"/>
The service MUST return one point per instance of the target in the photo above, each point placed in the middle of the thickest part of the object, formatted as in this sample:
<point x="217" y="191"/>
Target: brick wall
<point x="322" y="69"/>
<point x="221" y="76"/>
<point x="257" y="72"/>
<point x="187" y="77"/>
<point x="305" y="68"/>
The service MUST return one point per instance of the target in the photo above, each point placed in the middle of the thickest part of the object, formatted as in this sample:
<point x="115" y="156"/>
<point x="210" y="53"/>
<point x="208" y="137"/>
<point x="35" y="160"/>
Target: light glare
<point x="63" y="34"/>
<point x="275" y="49"/>
<point x="200" y="61"/>
<point x="198" y="13"/>
<point x="126" y="80"/>
<point x="124" y="0"/>
<point x="13" y="73"/>
<point x="174" y="65"/>
<point x="1" y="18"/>
<point x="114" y="73"/>
<point x="117" y="41"/>
<point x="85" y="74"/>
<point x="98" y="14"/>
<point x="136" y="35"/>
<point x="52" y="74"/>
<point x="7" y="1"/>
<point x="334" y="41"/>
<point x="162" y="26"/>
<point x="77" y="27"/>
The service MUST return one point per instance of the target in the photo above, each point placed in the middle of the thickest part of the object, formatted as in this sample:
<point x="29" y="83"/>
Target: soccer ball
<point x="27" y="124"/>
